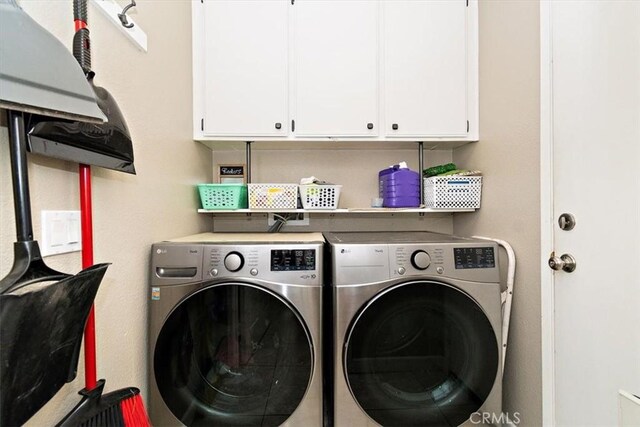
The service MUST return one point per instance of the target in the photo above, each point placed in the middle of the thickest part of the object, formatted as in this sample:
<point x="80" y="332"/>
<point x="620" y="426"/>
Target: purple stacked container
<point x="399" y="187"/>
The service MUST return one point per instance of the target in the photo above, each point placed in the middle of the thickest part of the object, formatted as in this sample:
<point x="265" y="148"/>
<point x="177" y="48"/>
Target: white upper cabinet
<point x="351" y="70"/>
<point x="245" y="68"/>
<point x="336" y="68"/>
<point x="425" y="68"/>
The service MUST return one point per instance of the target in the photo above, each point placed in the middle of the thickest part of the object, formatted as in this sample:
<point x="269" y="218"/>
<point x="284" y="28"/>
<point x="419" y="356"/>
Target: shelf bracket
<point x="420" y="169"/>
<point x="248" y="157"/>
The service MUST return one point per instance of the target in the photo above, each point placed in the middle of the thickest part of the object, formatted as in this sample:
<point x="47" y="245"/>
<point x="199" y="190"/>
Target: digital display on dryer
<point x="474" y="258"/>
<point x="293" y="259"/>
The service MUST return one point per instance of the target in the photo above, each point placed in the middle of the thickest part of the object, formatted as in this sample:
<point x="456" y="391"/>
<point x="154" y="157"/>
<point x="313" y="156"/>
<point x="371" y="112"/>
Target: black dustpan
<point x="42" y="311"/>
<point x="105" y="144"/>
<point x="42" y="325"/>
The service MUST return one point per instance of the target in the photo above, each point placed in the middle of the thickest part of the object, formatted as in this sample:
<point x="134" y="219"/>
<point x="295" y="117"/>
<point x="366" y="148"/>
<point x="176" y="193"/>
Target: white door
<point x="591" y="149"/>
<point x="246" y="67"/>
<point x="336" y="68"/>
<point x="425" y="71"/>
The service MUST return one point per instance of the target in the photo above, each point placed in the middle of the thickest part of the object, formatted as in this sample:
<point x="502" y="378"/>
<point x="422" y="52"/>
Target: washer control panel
<point x="293" y="259"/>
<point x="287" y="263"/>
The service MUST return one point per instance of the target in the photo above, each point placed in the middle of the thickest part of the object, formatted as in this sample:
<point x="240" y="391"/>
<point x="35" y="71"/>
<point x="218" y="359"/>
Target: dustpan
<point x="42" y="311"/>
<point x="99" y="144"/>
<point x="42" y="324"/>
<point x="107" y="144"/>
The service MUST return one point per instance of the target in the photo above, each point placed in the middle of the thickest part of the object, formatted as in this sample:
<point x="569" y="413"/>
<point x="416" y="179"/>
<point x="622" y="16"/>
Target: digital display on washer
<point x="293" y="259"/>
<point x="474" y="257"/>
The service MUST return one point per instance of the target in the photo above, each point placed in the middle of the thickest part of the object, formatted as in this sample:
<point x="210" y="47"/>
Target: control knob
<point x="420" y="260"/>
<point x="233" y="261"/>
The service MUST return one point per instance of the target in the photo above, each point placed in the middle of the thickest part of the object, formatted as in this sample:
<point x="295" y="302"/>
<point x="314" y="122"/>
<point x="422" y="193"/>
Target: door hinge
<point x="467" y="126"/>
<point x="293" y="125"/>
<point x="202" y="124"/>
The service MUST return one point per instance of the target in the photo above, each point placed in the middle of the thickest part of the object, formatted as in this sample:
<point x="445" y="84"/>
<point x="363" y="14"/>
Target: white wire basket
<point x="320" y="196"/>
<point x="452" y="192"/>
<point x="273" y="196"/>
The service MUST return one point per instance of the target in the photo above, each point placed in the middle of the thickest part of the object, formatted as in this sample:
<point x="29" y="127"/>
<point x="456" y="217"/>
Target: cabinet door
<point x="246" y="67"/>
<point x="336" y="68"/>
<point x="425" y="73"/>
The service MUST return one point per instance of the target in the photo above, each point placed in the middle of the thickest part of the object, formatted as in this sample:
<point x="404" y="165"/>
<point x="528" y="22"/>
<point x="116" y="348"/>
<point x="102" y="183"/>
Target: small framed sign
<point x="231" y="174"/>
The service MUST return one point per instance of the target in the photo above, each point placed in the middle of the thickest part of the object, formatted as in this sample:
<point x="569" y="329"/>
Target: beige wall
<point x="508" y="154"/>
<point x="130" y="212"/>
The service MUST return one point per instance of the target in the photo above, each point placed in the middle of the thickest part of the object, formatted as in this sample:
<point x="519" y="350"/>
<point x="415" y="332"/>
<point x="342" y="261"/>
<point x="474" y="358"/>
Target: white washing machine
<point x="235" y="335"/>
<point x="416" y="329"/>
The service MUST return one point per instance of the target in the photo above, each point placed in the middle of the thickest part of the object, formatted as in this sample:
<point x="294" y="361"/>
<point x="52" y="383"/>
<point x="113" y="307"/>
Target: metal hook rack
<point x="420" y="165"/>
<point x="123" y="15"/>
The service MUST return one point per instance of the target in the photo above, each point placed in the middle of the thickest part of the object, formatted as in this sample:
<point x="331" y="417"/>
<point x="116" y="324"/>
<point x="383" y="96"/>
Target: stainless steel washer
<point x="416" y="329"/>
<point x="235" y="330"/>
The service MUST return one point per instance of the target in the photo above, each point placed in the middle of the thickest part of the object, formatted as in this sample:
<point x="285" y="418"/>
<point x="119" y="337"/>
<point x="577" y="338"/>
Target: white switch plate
<point x="60" y="232"/>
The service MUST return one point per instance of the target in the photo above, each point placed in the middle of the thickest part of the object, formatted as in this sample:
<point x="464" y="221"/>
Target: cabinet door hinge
<point x="202" y="124"/>
<point x="293" y="125"/>
<point x="467" y="126"/>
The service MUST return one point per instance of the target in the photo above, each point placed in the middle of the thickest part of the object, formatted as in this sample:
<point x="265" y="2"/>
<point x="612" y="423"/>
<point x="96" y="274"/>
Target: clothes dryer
<point x="416" y="329"/>
<point x="235" y="330"/>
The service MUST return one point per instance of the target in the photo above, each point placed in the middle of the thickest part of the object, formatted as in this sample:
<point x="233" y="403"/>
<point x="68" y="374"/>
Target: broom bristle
<point x="134" y="413"/>
<point x="111" y="417"/>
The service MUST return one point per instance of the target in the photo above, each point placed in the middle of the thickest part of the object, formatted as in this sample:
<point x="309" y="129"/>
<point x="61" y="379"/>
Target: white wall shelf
<point x="336" y="211"/>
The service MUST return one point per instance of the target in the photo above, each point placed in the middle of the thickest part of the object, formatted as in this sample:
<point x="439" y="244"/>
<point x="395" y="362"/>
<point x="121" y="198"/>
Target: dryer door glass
<point x="421" y="354"/>
<point x="233" y="355"/>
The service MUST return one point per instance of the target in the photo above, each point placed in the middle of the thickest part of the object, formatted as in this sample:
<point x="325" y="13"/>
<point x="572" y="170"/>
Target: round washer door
<point x="421" y="354"/>
<point x="233" y="354"/>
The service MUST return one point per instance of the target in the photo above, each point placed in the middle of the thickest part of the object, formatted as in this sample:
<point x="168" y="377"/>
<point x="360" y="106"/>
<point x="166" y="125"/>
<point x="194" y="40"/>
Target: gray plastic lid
<point x="38" y="74"/>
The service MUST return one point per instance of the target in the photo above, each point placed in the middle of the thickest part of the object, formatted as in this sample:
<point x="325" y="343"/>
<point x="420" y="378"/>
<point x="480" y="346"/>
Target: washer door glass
<point x="421" y="354"/>
<point x="233" y="355"/>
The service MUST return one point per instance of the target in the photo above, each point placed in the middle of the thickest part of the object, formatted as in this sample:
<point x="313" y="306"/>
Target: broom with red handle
<point x="123" y="407"/>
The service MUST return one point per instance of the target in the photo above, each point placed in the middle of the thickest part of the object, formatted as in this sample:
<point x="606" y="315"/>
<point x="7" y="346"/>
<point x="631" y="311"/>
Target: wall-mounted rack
<point x="420" y="144"/>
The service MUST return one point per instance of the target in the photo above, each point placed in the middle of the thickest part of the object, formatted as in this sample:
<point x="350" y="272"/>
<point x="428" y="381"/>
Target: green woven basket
<point x="223" y="196"/>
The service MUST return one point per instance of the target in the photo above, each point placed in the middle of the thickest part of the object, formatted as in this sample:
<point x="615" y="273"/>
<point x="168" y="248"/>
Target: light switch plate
<point x="60" y="232"/>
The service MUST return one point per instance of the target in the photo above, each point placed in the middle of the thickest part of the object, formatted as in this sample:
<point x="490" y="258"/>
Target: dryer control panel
<point x="461" y="261"/>
<point x="360" y="264"/>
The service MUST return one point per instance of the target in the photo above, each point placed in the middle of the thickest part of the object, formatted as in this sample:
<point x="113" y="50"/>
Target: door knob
<point x="566" y="263"/>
